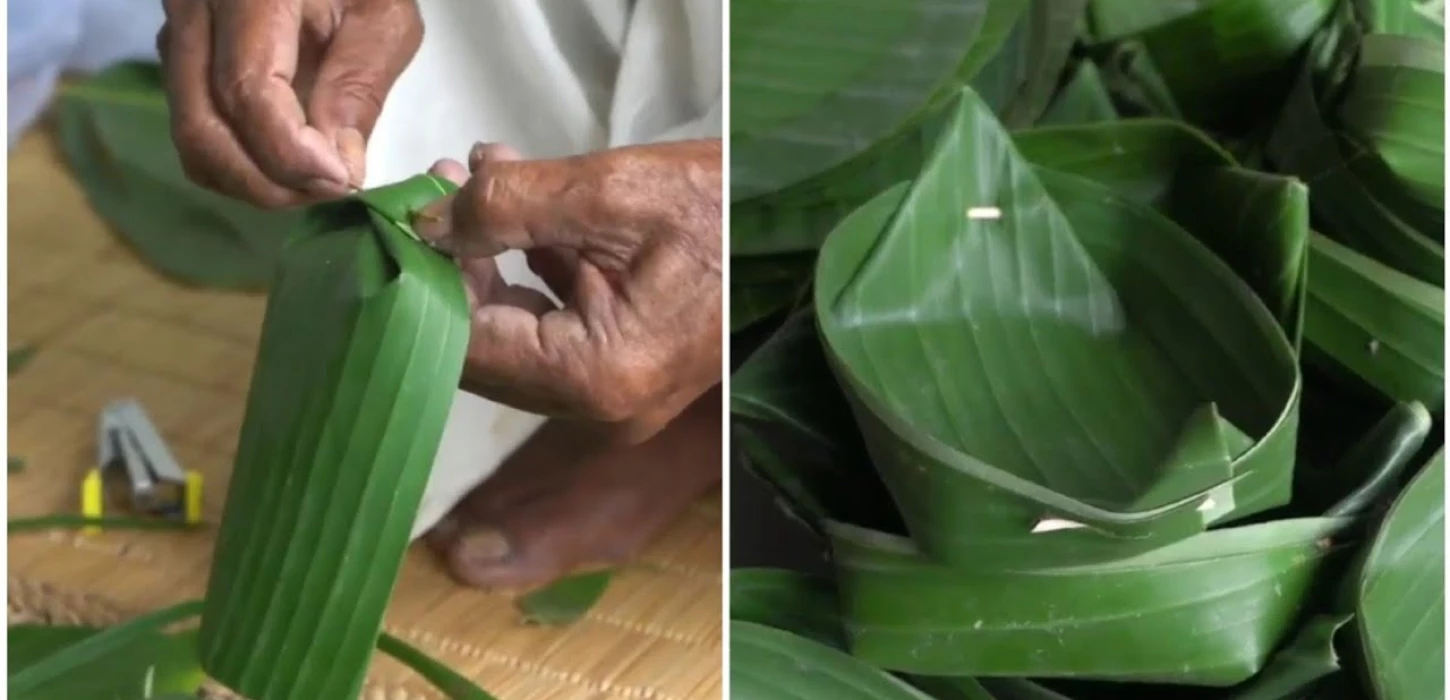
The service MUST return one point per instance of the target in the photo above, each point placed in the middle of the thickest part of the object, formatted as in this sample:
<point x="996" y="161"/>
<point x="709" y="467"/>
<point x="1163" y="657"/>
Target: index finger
<point x="255" y="51"/>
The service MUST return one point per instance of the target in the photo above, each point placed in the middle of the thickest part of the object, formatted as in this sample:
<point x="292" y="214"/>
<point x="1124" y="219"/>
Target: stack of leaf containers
<point x="1076" y="354"/>
<point x="362" y="348"/>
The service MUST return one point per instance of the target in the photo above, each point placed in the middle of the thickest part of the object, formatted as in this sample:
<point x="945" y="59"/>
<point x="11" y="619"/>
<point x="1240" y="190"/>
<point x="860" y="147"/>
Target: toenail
<point x="483" y="547"/>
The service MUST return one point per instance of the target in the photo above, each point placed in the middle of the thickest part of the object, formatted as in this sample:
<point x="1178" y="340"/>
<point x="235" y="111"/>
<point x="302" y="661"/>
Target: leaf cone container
<point x="361" y="351"/>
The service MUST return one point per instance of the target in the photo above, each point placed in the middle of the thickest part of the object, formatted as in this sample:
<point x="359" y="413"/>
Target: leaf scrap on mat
<point x="565" y="600"/>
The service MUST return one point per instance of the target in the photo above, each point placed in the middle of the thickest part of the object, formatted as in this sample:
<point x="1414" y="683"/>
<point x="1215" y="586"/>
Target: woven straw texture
<point x="107" y="327"/>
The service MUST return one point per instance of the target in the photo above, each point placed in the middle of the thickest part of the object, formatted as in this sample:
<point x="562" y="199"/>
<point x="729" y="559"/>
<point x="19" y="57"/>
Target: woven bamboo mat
<point x="107" y="327"/>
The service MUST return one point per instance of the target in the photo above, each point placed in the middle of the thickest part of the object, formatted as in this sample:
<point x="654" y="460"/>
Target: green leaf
<point x="20" y="357"/>
<point x="115" y="134"/>
<point x="17" y="465"/>
<point x="984" y="689"/>
<point x="791" y="421"/>
<point x="167" y="660"/>
<point x="453" y="685"/>
<point x="795" y="68"/>
<point x="763" y="286"/>
<point x="767" y="663"/>
<point x="44" y="674"/>
<point x="361" y="352"/>
<point x="1395" y="105"/>
<point x="1399" y="593"/>
<point x="1213" y="606"/>
<point x="1296" y="668"/>
<point x="1258" y="223"/>
<point x="71" y="522"/>
<point x="787" y="600"/>
<point x="1423" y="18"/>
<point x="1145" y="414"/>
<point x="1225" y="61"/>
<point x="1083" y="100"/>
<point x="1373" y="466"/>
<point x="565" y="600"/>
<point x="1030" y="64"/>
<point x="1304" y="146"/>
<point x="1137" y="158"/>
<point x="1381" y="326"/>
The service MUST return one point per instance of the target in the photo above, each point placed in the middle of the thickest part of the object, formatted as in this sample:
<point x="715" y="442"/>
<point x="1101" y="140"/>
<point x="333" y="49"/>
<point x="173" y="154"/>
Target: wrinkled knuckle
<point x="236" y="92"/>
<point x="629" y="388"/>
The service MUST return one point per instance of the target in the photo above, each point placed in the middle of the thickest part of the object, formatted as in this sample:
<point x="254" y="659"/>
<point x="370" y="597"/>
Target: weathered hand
<point x="272" y="101"/>
<point x="630" y="240"/>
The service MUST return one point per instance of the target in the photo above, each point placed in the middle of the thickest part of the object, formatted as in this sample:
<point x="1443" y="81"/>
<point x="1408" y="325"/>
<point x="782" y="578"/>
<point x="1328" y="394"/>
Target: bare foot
<point x="564" y="501"/>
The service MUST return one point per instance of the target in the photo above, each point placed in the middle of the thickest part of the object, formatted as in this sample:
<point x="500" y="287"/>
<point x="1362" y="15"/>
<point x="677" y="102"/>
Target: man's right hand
<point x="272" y="101"/>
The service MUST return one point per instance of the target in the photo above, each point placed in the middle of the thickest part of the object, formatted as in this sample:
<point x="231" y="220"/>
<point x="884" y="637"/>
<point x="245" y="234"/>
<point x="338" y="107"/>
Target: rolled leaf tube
<point x="361" y="352"/>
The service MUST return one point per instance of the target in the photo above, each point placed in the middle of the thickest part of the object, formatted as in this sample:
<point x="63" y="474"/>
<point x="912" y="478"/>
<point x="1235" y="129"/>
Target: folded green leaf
<point x="1381" y="326"/>
<point x="1223" y="60"/>
<point x="1083" y="100"/>
<point x="1398" y="593"/>
<point x="1305" y="146"/>
<point x="794" y="70"/>
<point x="767" y="663"/>
<point x="787" y="600"/>
<point x="44" y="674"/>
<point x="1203" y="611"/>
<point x="1112" y="436"/>
<point x="565" y="600"/>
<point x="1423" y="18"/>
<point x="1214" y="605"/>
<point x="115" y="134"/>
<point x="362" y="348"/>
<point x="1395" y="105"/>
<point x="1298" y="667"/>
<point x="167" y="662"/>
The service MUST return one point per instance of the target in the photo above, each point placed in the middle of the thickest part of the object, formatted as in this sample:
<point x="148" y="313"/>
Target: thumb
<point x="369" y="49"/>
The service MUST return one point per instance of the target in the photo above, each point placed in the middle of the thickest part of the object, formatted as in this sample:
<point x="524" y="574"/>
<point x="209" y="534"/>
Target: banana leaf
<point x="45" y="675"/>
<point x="1224" y="61"/>
<point x="768" y="663"/>
<point x="787" y="600"/>
<point x="796" y="67"/>
<point x="1084" y="99"/>
<point x="1394" y="105"/>
<point x="150" y="659"/>
<point x="1347" y="209"/>
<point x="790" y="420"/>
<point x="1152" y="413"/>
<point x="765" y="285"/>
<point x="1382" y="327"/>
<point x="362" y="348"/>
<point x="1398" y="593"/>
<point x="1021" y="78"/>
<point x="1302" y="665"/>
<point x="1207" y="610"/>
<point x="1422" y="18"/>
<point x="114" y="131"/>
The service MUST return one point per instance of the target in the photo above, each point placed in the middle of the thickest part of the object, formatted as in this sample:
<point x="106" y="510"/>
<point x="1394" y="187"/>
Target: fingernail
<point x="434" y="222"/>
<point x="483" y="547"/>
<point x="476" y="154"/>
<point x="353" y="148"/>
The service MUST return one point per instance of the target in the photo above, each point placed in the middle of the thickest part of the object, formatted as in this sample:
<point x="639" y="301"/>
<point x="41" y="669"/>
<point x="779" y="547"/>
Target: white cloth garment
<point x="552" y="78"/>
